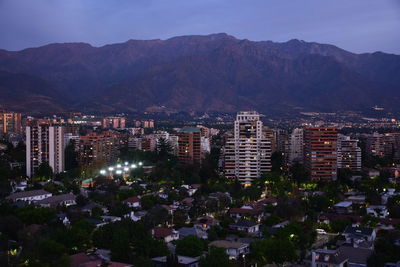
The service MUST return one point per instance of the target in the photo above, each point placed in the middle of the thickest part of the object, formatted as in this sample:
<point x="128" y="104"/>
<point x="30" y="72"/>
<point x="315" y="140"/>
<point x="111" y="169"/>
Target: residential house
<point x="165" y="234"/>
<point x="344" y="256"/>
<point x="246" y="226"/>
<point x="132" y="202"/>
<point x="58" y="200"/>
<point x="344" y="207"/>
<point x="110" y="219"/>
<point x="135" y="216"/>
<point x="18" y="185"/>
<point x="88" y="208"/>
<point x="205" y="223"/>
<point x="186" y="231"/>
<point x="327" y="258"/>
<point x="378" y="211"/>
<point x="183" y="261"/>
<point x="246" y="212"/>
<point x="29" y="196"/>
<point x="360" y="236"/>
<point x="233" y="249"/>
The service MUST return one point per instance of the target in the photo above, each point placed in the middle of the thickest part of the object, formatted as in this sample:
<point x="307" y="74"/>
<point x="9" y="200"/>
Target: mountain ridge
<point x="208" y="73"/>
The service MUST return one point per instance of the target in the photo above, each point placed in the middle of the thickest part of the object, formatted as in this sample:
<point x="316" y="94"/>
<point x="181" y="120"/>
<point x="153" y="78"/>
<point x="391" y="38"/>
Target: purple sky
<point x="355" y="25"/>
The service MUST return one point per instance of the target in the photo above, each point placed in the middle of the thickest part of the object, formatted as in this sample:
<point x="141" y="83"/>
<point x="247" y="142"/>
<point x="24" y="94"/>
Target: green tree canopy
<point x="190" y="246"/>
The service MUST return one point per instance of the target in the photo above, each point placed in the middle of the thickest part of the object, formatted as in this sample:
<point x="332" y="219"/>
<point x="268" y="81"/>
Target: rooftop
<point x="28" y="194"/>
<point x="227" y="244"/>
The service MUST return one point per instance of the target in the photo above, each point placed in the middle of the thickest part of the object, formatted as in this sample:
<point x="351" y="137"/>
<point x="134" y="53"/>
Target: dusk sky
<point x="355" y="25"/>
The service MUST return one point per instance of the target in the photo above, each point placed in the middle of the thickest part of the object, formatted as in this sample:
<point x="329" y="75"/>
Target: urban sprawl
<point x="220" y="190"/>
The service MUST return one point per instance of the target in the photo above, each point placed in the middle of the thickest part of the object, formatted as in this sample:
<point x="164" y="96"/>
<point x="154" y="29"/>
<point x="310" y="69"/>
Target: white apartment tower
<point x="251" y="147"/>
<point x="349" y="154"/>
<point x="44" y="143"/>
<point x="295" y="146"/>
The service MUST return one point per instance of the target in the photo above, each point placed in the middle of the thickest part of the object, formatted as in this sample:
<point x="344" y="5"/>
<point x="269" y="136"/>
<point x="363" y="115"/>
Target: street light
<point x="102" y="172"/>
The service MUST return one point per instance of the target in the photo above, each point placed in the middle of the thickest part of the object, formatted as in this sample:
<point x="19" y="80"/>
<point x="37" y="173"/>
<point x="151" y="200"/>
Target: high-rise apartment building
<point x="189" y="146"/>
<point x="113" y="122"/>
<point x="295" y="146"/>
<point x="320" y="153"/>
<point x="10" y="122"/>
<point x="248" y="152"/>
<point x="229" y="160"/>
<point x="98" y="147"/>
<point x="348" y="154"/>
<point x="44" y="143"/>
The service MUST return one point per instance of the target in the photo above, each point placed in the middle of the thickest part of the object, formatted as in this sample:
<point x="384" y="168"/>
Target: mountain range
<point x="216" y="72"/>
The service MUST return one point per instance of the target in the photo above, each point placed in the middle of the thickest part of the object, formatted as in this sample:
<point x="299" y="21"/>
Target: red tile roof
<point x="245" y="211"/>
<point x="132" y="200"/>
<point x="161" y="232"/>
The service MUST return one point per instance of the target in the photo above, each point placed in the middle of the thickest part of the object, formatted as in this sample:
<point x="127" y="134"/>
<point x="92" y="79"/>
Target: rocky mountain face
<point x="202" y="73"/>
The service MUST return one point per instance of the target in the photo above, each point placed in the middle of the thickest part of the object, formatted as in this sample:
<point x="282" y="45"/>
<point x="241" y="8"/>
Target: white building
<point x="44" y="143"/>
<point x="29" y="196"/>
<point x="349" y="154"/>
<point x="252" y="147"/>
<point x="295" y="146"/>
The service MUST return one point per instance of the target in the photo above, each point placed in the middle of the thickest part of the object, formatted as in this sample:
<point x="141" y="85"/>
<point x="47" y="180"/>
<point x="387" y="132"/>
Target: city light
<point x="120" y="169"/>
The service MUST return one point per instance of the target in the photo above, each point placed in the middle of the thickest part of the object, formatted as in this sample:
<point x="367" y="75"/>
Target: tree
<point x="190" y="246"/>
<point x="299" y="173"/>
<point x="44" y="171"/>
<point x="216" y="257"/>
<point x="71" y="156"/>
<point x="277" y="161"/>
<point x="120" y="247"/>
<point x="393" y="205"/>
<point x="53" y="253"/>
<point x="338" y="225"/>
<point x="272" y="250"/>
<point x="164" y="148"/>
<point x="289" y="208"/>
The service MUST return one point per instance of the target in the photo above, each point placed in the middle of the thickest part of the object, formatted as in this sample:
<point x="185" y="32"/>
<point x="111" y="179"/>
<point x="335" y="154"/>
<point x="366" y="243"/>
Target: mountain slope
<point x="215" y="72"/>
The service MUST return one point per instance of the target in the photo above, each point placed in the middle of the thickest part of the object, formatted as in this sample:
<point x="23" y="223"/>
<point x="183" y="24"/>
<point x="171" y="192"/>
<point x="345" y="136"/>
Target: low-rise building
<point x="29" y="196"/>
<point x="344" y="207"/>
<point x="58" y="200"/>
<point x="132" y="202"/>
<point x="183" y="261"/>
<point x="233" y="249"/>
<point x="246" y="226"/>
<point x="165" y="234"/>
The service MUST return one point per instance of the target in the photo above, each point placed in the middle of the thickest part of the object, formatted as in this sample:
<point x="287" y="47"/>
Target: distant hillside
<point x="203" y="73"/>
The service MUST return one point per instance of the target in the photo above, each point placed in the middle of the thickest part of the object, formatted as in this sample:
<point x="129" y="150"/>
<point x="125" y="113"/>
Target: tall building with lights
<point x="248" y="152"/>
<point x="98" y="147"/>
<point x="295" y="146"/>
<point x="349" y="154"/>
<point x="189" y="146"/>
<point x="320" y="153"/>
<point x="44" y="143"/>
<point x="10" y="122"/>
<point x="113" y="123"/>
